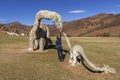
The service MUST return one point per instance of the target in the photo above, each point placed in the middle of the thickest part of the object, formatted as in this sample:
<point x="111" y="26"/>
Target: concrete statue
<point x="37" y="33"/>
<point x="78" y="52"/>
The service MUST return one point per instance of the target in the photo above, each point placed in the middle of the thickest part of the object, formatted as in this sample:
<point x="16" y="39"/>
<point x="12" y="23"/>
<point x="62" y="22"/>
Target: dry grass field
<point x="16" y="63"/>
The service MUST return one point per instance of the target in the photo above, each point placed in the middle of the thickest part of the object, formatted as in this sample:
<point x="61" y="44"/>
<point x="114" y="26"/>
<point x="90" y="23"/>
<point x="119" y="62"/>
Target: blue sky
<point x="24" y="11"/>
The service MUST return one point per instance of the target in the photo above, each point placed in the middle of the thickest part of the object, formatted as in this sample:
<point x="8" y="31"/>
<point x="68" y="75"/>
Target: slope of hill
<point x="1" y="25"/>
<point x="15" y="27"/>
<point x="98" y="25"/>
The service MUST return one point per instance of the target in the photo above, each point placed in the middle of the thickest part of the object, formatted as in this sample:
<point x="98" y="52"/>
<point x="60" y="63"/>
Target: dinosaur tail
<point x="91" y="66"/>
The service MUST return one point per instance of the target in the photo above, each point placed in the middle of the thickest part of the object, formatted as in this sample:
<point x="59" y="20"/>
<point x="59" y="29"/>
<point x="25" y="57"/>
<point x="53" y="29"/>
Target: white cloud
<point x="77" y="11"/>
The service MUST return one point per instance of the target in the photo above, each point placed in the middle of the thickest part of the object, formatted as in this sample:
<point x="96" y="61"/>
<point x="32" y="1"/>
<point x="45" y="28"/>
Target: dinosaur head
<point x="108" y="69"/>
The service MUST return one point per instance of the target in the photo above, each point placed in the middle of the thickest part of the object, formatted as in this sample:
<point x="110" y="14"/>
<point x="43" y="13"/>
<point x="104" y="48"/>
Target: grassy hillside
<point x="16" y="63"/>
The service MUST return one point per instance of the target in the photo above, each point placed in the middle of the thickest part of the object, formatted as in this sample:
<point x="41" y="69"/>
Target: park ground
<point x="17" y="63"/>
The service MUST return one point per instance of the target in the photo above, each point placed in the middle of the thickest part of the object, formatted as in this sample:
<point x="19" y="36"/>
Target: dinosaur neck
<point x="67" y="40"/>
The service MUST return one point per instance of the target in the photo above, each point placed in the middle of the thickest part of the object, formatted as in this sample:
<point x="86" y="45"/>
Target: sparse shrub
<point x="68" y="35"/>
<point x="119" y="35"/>
<point x="104" y="34"/>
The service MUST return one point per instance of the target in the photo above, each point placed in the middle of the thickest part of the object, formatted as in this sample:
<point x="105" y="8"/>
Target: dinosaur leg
<point x="74" y="60"/>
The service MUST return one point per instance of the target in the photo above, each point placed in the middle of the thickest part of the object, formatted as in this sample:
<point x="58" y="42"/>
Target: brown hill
<point x="16" y="27"/>
<point x="98" y="25"/>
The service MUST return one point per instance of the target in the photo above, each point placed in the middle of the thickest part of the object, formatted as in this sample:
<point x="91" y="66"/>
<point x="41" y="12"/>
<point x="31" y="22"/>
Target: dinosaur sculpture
<point x="41" y="41"/>
<point x="78" y="52"/>
<point x="43" y="14"/>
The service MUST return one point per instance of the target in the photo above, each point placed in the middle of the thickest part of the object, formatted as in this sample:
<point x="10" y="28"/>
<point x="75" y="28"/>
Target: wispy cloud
<point x="118" y="5"/>
<point x="112" y="12"/>
<point x="3" y="19"/>
<point x="77" y="11"/>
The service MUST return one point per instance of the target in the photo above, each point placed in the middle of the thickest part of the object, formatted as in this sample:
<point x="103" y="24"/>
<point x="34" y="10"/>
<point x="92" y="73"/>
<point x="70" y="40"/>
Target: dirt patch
<point x="74" y="69"/>
<point x="39" y="51"/>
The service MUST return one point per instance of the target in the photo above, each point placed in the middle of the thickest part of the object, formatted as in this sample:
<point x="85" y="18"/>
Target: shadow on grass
<point x="85" y="65"/>
<point x="65" y="52"/>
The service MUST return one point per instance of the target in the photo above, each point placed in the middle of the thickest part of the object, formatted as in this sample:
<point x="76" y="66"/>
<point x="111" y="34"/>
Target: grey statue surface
<point x="37" y="33"/>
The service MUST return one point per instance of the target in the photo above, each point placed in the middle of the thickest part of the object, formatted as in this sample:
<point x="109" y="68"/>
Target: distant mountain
<point x="107" y="25"/>
<point x="16" y="27"/>
<point x="98" y="25"/>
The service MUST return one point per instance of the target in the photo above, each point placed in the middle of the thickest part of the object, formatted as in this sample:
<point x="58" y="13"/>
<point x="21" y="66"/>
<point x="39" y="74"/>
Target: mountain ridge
<point x="100" y="25"/>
